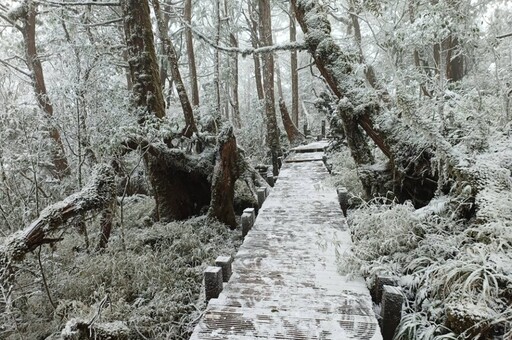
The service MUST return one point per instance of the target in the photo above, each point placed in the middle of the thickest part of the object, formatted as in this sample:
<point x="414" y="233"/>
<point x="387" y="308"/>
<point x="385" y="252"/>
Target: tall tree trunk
<point x="191" y="57"/>
<point x="216" y="77"/>
<point x="190" y="124"/>
<point x="253" y="24"/>
<point x="295" y="137"/>
<point x="60" y="162"/>
<point x="294" y="69"/>
<point x="265" y="20"/>
<point x="147" y="93"/>
<point x="235" y="100"/>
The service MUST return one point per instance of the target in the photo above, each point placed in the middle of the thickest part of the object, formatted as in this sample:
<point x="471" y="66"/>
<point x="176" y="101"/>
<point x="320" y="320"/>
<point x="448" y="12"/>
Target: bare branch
<point x="15" y="68"/>
<point x="504" y="36"/>
<point x="14" y="24"/>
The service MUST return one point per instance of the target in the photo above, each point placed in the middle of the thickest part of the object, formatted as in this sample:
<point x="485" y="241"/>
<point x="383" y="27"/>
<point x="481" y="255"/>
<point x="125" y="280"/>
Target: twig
<point x="504" y="36"/>
<point x="44" y="278"/>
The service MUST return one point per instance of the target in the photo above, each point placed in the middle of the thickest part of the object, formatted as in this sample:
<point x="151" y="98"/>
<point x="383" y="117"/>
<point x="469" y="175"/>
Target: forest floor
<point x="147" y="283"/>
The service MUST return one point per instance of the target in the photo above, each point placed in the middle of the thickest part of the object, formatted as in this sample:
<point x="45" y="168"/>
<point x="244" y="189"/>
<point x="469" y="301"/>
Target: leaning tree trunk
<point x="99" y="193"/>
<point x="413" y="174"/>
<point x="172" y="57"/>
<point x="59" y="159"/>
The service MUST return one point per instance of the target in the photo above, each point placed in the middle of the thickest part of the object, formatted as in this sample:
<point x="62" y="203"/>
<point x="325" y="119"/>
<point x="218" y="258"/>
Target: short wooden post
<point x="247" y="223"/>
<point x="323" y="128"/>
<point x="224" y="262"/>
<point x="380" y="282"/>
<point x="270" y="178"/>
<point x="252" y="212"/>
<point x="343" y="199"/>
<point x="212" y="282"/>
<point x="305" y="129"/>
<point x="391" y="310"/>
<point x="262" y="194"/>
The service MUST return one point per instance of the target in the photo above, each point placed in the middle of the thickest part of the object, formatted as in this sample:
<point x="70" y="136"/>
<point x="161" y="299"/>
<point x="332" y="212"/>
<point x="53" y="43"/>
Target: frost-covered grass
<point x="153" y="286"/>
<point x="458" y="283"/>
<point x="456" y="273"/>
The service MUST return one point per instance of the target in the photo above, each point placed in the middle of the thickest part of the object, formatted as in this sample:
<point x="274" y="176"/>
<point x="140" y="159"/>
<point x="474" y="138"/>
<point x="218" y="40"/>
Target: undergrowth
<point x="151" y="282"/>
<point x="456" y="273"/>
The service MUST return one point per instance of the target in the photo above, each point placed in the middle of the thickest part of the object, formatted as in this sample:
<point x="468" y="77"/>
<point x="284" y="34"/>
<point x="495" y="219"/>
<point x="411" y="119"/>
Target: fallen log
<point x="97" y="194"/>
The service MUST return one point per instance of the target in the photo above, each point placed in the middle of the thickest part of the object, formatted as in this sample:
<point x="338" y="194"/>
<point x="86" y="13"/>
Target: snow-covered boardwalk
<point x="285" y="282"/>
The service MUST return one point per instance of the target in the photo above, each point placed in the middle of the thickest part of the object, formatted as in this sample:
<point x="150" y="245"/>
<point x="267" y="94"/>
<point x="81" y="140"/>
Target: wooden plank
<point x="286" y="282"/>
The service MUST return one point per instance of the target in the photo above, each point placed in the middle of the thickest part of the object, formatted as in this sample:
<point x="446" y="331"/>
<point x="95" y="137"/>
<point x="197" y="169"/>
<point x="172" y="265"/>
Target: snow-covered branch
<point x="300" y="46"/>
<point x="84" y="3"/>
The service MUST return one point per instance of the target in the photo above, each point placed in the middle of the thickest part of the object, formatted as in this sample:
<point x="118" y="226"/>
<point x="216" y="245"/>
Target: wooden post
<point x="224" y="262"/>
<point x="270" y="178"/>
<point x="252" y="212"/>
<point x="391" y="311"/>
<point x="380" y="282"/>
<point x="323" y="128"/>
<point x="262" y="194"/>
<point x="212" y="282"/>
<point x="305" y="129"/>
<point x="343" y="199"/>
<point x="247" y="223"/>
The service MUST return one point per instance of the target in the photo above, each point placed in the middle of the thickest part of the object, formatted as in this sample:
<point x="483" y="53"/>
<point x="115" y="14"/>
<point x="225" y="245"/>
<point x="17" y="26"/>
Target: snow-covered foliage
<point x="148" y="282"/>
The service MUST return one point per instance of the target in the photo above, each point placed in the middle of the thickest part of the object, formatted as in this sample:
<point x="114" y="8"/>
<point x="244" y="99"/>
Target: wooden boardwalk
<point x="285" y="282"/>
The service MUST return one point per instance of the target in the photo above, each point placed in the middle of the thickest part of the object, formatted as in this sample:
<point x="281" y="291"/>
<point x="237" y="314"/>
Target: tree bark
<point x="60" y="162"/>
<point x="147" y="93"/>
<point x="253" y="24"/>
<point x="265" y="29"/>
<point x="295" y="137"/>
<point x="225" y="174"/>
<point x="235" y="100"/>
<point x="413" y="173"/>
<point x="190" y="124"/>
<point x="97" y="194"/>
<point x="191" y="57"/>
<point x="294" y="69"/>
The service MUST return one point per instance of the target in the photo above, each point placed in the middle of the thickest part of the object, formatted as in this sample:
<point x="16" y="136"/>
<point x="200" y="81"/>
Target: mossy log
<point x="98" y="194"/>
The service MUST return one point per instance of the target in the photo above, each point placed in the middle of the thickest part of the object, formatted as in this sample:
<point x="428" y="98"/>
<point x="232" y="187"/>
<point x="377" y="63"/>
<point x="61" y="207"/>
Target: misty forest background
<point x="132" y="133"/>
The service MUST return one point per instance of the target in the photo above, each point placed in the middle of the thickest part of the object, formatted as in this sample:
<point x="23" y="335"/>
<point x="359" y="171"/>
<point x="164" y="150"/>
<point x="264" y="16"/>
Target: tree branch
<point x="504" y="36"/>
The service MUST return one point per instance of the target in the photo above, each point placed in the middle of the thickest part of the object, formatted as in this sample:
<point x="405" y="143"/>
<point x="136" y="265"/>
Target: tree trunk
<point x="97" y="194"/>
<point x="295" y="137"/>
<point x="294" y="70"/>
<point x="225" y="174"/>
<point x="413" y="173"/>
<point x="253" y="24"/>
<point x="190" y="124"/>
<point x="60" y="162"/>
<point x="147" y="93"/>
<point x="235" y="100"/>
<point x="191" y="57"/>
<point x="265" y="20"/>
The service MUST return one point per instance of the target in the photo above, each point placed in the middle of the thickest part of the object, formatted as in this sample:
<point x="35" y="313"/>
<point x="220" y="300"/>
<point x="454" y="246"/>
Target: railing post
<point x="380" y="282"/>
<point x="247" y="222"/>
<point x="212" y="282"/>
<point x="305" y="129"/>
<point x="323" y="128"/>
<point x="252" y="212"/>
<point x="224" y="262"/>
<point x="343" y="199"/>
<point x="391" y="311"/>
<point x="270" y="178"/>
<point x="262" y="194"/>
